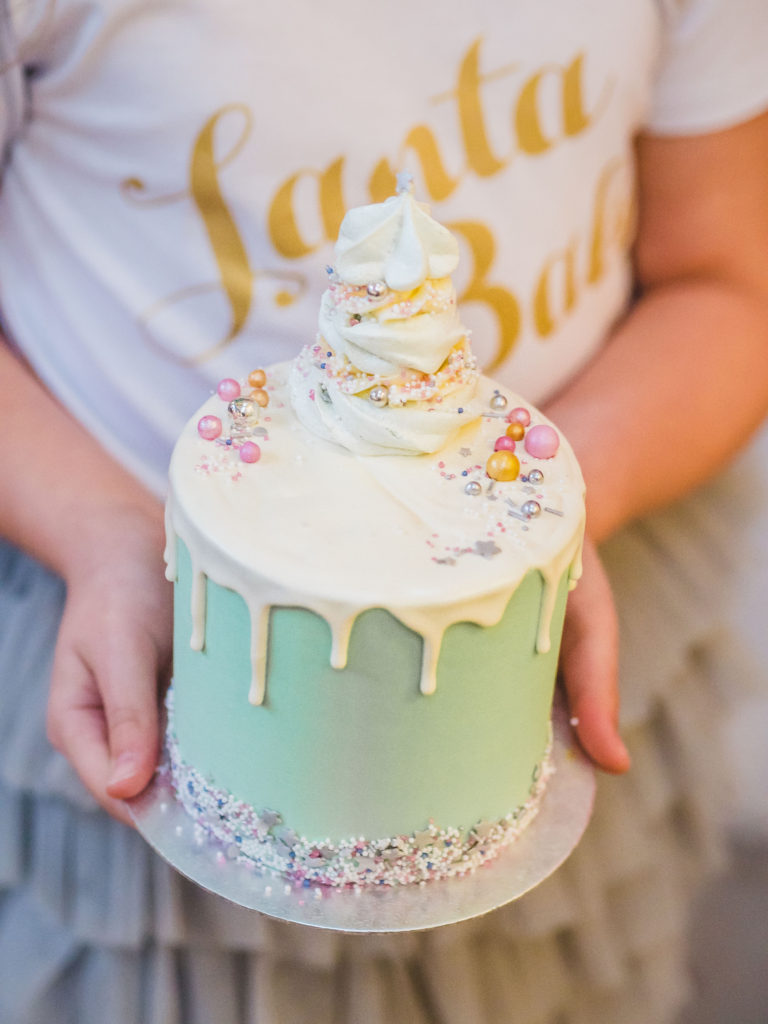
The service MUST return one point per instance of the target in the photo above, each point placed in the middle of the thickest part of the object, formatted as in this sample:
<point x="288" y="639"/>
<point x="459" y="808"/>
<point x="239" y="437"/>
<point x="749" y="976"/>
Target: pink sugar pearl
<point x="504" y="443"/>
<point x="250" y="452"/>
<point x="228" y="389"/>
<point x="209" y="427"/>
<point x="520" y="414"/>
<point x="542" y="441"/>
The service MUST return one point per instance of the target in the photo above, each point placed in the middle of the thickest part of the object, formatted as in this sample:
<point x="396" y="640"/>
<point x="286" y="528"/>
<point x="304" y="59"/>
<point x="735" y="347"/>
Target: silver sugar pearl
<point x="241" y="408"/>
<point x="243" y="413"/>
<point x="498" y="402"/>
<point x="535" y="476"/>
<point x="474" y="487"/>
<point x="531" y="509"/>
<point x="376" y="289"/>
<point x="324" y="393"/>
<point x="379" y="395"/>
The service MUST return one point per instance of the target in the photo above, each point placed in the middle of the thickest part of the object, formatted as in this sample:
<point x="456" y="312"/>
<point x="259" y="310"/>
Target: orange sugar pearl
<point x="260" y="397"/>
<point x="503" y="466"/>
<point x="257" y="379"/>
<point x="516" y="431"/>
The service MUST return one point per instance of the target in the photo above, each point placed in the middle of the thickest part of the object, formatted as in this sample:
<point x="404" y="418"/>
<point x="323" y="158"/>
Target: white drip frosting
<point x="319" y="523"/>
<point x="313" y="526"/>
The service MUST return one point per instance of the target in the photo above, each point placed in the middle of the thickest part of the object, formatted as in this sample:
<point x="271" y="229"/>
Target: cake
<point x="371" y="548"/>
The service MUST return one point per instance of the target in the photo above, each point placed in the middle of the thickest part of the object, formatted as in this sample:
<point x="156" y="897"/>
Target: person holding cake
<point x="160" y="231"/>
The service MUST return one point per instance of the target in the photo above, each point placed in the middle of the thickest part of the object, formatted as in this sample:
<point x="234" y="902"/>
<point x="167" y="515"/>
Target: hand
<point x="589" y="665"/>
<point x="113" y="651"/>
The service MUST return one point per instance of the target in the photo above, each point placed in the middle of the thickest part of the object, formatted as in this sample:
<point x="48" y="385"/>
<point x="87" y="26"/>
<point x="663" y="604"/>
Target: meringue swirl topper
<point x="392" y="371"/>
<point x="396" y="242"/>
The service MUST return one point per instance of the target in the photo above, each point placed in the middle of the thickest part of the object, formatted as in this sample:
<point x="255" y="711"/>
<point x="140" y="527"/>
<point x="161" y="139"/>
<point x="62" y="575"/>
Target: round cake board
<point x="564" y="814"/>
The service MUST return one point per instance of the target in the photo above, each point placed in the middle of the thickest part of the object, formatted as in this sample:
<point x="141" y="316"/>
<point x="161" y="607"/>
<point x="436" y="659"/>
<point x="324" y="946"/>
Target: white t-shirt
<point x="175" y="174"/>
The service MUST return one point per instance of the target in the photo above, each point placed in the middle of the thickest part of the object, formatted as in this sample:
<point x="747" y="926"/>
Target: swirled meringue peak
<point x="392" y="370"/>
<point x="396" y="242"/>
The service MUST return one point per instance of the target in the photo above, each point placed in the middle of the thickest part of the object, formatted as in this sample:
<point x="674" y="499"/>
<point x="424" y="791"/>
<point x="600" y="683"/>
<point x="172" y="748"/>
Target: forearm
<point x="57" y="483"/>
<point x="677" y="390"/>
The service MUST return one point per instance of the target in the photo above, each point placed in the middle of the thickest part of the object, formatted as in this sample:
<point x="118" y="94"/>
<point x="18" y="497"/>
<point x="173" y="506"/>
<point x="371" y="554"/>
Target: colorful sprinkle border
<point x="263" y="839"/>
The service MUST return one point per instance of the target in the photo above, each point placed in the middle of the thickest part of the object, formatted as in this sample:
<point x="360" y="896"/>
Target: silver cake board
<point x="564" y="814"/>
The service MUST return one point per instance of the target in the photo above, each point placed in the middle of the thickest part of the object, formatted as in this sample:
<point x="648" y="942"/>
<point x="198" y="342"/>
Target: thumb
<point x="589" y="666"/>
<point x="132" y="718"/>
<point x="587" y="674"/>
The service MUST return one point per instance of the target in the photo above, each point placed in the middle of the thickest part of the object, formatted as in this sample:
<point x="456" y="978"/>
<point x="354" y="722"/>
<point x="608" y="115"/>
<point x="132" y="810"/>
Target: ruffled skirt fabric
<point x="94" y="926"/>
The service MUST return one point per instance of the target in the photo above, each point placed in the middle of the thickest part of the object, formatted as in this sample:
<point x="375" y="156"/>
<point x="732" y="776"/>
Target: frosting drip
<point x="431" y="624"/>
<point x="327" y="527"/>
<point x="315" y="527"/>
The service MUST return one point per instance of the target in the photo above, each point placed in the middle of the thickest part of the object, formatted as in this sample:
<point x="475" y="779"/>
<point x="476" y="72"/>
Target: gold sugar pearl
<point x="257" y="379"/>
<point x="516" y="431"/>
<point x="503" y="466"/>
<point x="260" y="397"/>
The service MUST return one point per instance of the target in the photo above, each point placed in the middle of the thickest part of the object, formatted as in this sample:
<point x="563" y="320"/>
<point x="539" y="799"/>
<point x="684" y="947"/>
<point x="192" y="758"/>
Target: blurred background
<point x="729" y="932"/>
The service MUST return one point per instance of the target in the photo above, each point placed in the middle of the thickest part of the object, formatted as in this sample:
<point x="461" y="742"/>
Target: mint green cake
<point x="372" y="551"/>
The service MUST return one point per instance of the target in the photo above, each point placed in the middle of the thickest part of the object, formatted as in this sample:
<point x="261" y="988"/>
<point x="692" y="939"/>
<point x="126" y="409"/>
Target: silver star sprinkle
<point x="404" y="182"/>
<point x="486" y="548"/>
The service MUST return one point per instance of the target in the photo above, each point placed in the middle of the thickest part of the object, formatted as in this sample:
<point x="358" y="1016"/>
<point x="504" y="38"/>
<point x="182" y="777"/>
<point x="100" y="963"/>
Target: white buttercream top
<point x="314" y="525"/>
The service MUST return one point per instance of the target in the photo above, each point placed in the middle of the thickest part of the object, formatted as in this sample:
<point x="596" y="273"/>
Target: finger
<point x="77" y="728"/>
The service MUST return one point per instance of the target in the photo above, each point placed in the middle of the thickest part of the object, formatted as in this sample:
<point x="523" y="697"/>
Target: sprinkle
<point x="356" y="863"/>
